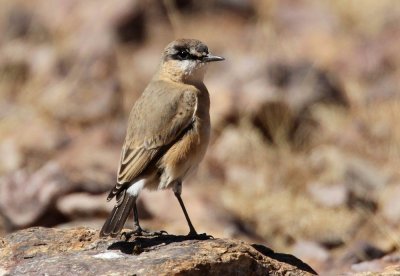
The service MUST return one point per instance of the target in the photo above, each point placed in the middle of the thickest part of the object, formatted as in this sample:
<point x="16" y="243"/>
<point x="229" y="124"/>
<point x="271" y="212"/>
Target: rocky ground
<point x="47" y="251"/>
<point x="305" y="147"/>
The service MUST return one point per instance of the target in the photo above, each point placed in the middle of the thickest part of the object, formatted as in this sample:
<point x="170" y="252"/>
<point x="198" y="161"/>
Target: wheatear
<point x="168" y="132"/>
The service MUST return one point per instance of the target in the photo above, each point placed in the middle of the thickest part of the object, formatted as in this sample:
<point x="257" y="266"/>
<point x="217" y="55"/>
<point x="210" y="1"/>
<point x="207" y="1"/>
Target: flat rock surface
<point x="48" y="251"/>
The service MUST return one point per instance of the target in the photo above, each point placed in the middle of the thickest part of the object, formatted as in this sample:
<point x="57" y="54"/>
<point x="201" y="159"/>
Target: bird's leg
<point x="192" y="231"/>
<point x="138" y="231"/>
<point x="177" y="191"/>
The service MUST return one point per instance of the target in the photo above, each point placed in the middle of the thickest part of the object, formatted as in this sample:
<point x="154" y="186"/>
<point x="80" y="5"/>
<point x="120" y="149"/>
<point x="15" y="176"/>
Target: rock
<point x="19" y="146"/>
<point x="64" y="100"/>
<point x="25" y="197"/>
<point x="363" y="180"/>
<point x="295" y="81"/>
<point x="130" y="24"/>
<point x="363" y="251"/>
<point x="345" y="177"/>
<point x="27" y="131"/>
<point x="363" y="177"/>
<point x="285" y="114"/>
<point x="248" y="148"/>
<point x="85" y="69"/>
<point x="88" y="222"/>
<point x="390" y="204"/>
<point x="328" y="196"/>
<point x="388" y="265"/>
<point x="311" y="251"/>
<point x="47" y="251"/>
<point x="78" y="205"/>
<point x="10" y="156"/>
<point x="90" y="160"/>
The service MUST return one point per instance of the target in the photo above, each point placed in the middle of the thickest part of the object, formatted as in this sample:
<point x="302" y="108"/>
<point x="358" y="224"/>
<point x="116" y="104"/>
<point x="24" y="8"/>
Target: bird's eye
<point x="183" y="55"/>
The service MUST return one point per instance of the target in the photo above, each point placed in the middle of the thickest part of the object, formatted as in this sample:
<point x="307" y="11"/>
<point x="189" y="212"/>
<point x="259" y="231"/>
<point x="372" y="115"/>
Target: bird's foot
<point x="194" y="235"/>
<point x="139" y="232"/>
<point x="155" y="233"/>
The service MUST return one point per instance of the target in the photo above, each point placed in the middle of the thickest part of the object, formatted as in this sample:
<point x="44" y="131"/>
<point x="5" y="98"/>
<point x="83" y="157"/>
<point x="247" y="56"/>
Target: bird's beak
<point x="210" y="58"/>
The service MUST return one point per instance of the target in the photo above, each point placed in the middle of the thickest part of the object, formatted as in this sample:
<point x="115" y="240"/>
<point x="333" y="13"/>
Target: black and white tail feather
<point x="116" y="220"/>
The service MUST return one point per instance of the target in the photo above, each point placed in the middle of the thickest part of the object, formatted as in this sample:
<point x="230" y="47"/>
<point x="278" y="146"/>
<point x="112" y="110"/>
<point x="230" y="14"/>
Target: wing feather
<point x="153" y="126"/>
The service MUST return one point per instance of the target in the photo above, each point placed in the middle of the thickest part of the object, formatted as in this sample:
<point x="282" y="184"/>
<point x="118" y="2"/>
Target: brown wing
<point x="157" y="119"/>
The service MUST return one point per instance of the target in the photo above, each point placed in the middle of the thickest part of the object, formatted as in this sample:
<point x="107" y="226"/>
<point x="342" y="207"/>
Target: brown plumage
<point x="168" y="132"/>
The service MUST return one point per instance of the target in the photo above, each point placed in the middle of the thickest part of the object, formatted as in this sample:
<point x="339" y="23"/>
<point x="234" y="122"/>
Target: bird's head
<point x="185" y="59"/>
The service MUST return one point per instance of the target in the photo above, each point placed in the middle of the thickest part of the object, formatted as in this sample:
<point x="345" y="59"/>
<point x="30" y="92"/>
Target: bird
<point x="167" y="135"/>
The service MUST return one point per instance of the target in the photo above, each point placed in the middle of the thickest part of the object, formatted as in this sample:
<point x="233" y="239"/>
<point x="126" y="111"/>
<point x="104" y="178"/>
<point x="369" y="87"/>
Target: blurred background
<point x="305" y="145"/>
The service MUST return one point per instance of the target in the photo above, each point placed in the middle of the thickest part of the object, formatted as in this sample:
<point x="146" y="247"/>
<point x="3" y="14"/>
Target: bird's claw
<point x="203" y="236"/>
<point x="155" y="233"/>
<point x="139" y="232"/>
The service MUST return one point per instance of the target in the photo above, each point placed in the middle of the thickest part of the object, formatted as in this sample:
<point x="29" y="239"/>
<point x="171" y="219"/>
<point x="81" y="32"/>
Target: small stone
<point x="11" y="157"/>
<point x="328" y="196"/>
<point x="370" y="266"/>
<point x="310" y="251"/>
<point x="391" y="204"/>
<point x="108" y="255"/>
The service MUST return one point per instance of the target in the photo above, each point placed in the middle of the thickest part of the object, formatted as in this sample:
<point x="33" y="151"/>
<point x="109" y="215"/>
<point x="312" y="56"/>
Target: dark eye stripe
<point x="184" y="55"/>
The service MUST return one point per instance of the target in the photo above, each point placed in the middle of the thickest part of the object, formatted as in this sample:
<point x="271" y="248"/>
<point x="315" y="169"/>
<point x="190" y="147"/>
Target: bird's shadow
<point x="284" y="258"/>
<point x="140" y="244"/>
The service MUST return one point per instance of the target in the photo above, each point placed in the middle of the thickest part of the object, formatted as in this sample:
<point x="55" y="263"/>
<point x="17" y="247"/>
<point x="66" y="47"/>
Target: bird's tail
<point x="116" y="220"/>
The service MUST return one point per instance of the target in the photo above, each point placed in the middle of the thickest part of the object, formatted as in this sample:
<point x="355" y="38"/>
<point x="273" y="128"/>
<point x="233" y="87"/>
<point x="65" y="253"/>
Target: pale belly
<point x="184" y="157"/>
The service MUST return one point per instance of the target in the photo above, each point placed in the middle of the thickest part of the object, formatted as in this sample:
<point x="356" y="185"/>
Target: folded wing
<point x="159" y="118"/>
